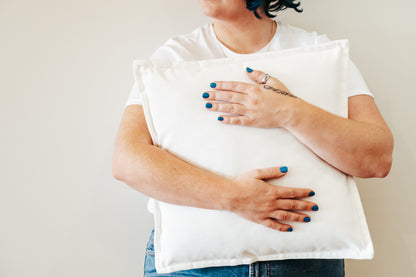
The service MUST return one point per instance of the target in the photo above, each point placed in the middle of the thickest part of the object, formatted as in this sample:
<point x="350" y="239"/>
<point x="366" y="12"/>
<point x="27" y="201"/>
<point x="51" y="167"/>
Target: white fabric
<point x="188" y="237"/>
<point x="202" y="44"/>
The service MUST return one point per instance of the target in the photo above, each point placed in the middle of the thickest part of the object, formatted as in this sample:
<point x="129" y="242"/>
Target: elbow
<point x="384" y="163"/>
<point x="380" y="162"/>
<point x="127" y="163"/>
<point x="383" y="167"/>
<point x="116" y="174"/>
<point x="378" y="166"/>
<point x="374" y="168"/>
<point x="122" y="162"/>
<point x="116" y="169"/>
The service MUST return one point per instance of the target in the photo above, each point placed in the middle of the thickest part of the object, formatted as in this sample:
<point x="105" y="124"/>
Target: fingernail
<point x="208" y="105"/>
<point x="205" y="95"/>
<point x="315" y="208"/>
<point x="283" y="169"/>
<point x="213" y="85"/>
<point x="289" y="229"/>
<point x="220" y="118"/>
<point x="307" y="219"/>
<point x="249" y="70"/>
<point x="312" y="193"/>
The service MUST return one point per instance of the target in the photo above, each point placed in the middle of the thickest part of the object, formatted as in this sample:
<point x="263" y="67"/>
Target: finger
<point x="257" y="76"/>
<point x="286" y="192"/>
<point x="232" y="86"/>
<point x="290" y="216"/>
<point x="294" y="204"/>
<point x="242" y="120"/>
<point x="226" y="108"/>
<point x="226" y="96"/>
<point x="269" y="173"/>
<point x="273" y="224"/>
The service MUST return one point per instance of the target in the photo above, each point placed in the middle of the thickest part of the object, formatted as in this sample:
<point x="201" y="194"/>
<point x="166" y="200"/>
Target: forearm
<point x="357" y="148"/>
<point x="163" y="176"/>
<point x="361" y="145"/>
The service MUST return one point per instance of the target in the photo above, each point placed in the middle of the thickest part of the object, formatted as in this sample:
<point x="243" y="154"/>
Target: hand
<point x="266" y="204"/>
<point x="267" y="105"/>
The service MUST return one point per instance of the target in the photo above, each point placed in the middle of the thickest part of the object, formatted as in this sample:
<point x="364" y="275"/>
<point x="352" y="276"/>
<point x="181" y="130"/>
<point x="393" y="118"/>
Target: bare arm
<point x="360" y="145"/>
<point x="159" y="174"/>
<point x="163" y="176"/>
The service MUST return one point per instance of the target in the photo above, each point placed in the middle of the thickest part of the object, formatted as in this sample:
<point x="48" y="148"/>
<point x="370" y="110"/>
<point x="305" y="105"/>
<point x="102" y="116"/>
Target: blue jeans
<point x="286" y="268"/>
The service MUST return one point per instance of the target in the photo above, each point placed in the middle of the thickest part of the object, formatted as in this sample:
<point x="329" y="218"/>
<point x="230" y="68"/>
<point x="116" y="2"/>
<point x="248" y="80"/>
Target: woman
<point x="242" y="27"/>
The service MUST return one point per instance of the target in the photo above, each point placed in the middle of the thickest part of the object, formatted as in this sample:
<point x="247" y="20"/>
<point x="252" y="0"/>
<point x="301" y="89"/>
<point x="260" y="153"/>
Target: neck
<point x="245" y="35"/>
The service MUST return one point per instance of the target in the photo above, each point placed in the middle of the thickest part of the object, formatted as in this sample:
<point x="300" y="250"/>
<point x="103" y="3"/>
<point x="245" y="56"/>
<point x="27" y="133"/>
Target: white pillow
<point x="188" y="237"/>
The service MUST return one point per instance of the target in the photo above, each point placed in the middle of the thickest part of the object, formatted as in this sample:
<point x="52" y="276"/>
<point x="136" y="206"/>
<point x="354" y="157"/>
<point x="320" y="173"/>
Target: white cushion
<point x="188" y="237"/>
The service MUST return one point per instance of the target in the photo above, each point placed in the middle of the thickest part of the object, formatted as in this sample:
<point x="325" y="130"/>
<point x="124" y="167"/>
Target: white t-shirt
<point x="203" y="44"/>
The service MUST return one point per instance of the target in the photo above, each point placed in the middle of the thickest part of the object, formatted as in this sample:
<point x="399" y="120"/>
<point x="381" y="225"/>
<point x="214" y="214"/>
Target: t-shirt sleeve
<point x="171" y="50"/>
<point x="134" y="96"/>
<point x="356" y="82"/>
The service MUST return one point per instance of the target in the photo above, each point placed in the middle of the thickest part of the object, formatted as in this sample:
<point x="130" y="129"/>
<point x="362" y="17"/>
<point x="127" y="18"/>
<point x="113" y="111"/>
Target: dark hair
<point x="269" y="6"/>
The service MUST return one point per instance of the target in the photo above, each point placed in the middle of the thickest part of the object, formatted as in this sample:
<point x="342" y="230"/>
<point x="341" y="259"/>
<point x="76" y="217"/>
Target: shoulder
<point x="292" y="36"/>
<point x="196" y="45"/>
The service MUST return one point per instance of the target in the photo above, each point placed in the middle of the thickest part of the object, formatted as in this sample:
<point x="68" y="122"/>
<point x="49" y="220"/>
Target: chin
<point x="223" y="9"/>
<point x="211" y="8"/>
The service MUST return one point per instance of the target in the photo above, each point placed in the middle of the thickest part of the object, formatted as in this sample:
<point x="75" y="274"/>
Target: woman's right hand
<point x="266" y="204"/>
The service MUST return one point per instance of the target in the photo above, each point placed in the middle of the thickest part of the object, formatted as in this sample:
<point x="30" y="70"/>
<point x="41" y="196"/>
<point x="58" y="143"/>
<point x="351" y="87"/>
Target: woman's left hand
<point x="269" y="105"/>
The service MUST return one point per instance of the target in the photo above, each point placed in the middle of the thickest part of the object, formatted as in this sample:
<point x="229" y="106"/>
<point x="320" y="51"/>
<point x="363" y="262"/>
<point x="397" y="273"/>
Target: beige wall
<point x="64" y="77"/>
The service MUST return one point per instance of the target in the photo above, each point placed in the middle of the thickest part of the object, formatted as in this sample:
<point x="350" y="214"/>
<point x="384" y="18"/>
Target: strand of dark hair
<point x="272" y="6"/>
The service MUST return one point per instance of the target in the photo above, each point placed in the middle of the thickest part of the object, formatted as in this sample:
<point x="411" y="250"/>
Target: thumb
<point x="270" y="173"/>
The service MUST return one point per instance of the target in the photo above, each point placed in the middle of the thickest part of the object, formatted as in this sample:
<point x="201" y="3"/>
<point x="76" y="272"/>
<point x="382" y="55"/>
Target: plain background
<point x="65" y="74"/>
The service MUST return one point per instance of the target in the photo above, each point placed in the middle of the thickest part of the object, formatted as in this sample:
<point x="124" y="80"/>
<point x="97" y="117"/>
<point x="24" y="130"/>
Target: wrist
<point x="229" y="196"/>
<point x="292" y="114"/>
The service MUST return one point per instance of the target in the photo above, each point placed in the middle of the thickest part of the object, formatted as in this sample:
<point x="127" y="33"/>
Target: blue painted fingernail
<point x="312" y="193"/>
<point x="220" y="118"/>
<point x="289" y="229"/>
<point x="213" y="85"/>
<point x="307" y="219"/>
<point x="205" y="95"/>
<point x="249" y="70"/>
<point x="315" y="208"/>
<point x="283" y="169"/>
<point x="208" y="105"/>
